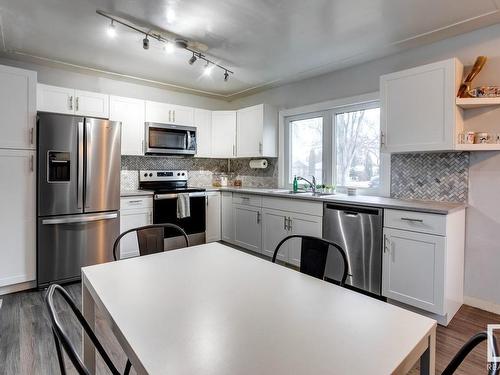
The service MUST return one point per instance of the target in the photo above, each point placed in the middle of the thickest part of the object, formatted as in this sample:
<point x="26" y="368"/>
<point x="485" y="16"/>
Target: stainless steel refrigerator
<point x="78" y="194"/>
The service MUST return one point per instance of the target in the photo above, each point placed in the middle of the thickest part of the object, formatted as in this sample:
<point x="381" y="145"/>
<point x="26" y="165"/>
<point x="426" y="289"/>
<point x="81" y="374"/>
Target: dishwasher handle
<point x="353" y="210"/>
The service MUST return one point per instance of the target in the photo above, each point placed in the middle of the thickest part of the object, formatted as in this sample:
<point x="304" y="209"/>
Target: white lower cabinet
<point x="413" y="269"/>
<point x="17" y="218"/>
<point x="247" y="227"/>
<point x="423" y="262"/>
<point x="227" y="217"/>
<point x="302" y="224"/>
<point x="213" y="217"/>
<point x="274" y="229"/>
<point x="134" y="212"/>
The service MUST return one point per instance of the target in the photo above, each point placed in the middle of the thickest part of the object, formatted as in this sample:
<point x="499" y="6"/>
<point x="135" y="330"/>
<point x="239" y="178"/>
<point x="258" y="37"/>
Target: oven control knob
<point x="178" y="174"/>
<point x="150" y="175"/>
<point x="145" y="175"/>
<point x="183" y="174"/>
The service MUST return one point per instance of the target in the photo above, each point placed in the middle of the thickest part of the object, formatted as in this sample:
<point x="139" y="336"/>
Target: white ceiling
<point x="265" y="42"/>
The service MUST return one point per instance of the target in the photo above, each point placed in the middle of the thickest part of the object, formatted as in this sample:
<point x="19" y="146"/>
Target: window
<point x="306" y="148"/>
<point x="339" y="147"/>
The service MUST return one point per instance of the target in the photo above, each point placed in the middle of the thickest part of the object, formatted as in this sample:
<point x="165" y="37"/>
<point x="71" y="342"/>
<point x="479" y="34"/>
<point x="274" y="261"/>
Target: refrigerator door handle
<point x="79" y="186"/>
<point x="79" y="219"/>
<point x="88" y="161"/>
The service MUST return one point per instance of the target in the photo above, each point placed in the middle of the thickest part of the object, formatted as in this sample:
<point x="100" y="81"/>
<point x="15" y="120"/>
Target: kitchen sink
<point x="303" y="193"/>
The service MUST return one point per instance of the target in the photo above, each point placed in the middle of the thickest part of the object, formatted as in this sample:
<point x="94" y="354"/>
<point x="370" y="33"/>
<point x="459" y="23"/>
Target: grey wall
<point x="87" y="80"/>
<point x="482" y="254"/>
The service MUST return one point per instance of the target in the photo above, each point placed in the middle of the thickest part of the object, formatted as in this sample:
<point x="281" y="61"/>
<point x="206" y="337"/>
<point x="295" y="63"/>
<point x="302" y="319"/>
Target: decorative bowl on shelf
<point x="485" y="92"/>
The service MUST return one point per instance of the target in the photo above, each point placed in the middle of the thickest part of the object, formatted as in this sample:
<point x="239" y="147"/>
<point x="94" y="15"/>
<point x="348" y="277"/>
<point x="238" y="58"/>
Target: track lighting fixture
<point x="193" y="59"/>
<point x="111" y="29"/>
<point x="169" y="43"/>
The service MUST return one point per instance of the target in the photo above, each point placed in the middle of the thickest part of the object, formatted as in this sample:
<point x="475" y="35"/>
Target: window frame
<point x="329" y="153"/>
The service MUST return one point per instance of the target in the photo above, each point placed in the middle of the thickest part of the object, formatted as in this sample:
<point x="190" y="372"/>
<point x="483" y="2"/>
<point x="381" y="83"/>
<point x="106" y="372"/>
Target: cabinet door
<point x="158" y="112"/>
<point x="302" y="224"/>
<point x="224" y="134"/>
<point x="413" y="269"/>
<point x="55" y="99"/>
<point x="92" y="104"/>
<point x="227" y="217"/>
<point x="249" y="131"/>
<point x="418" y="110"/>
<point x="213" y="221"/>
<point x="203" y="123"/>
<point x="274" y="229"/>
<point x="129" y="219"/>
<point x="182" y="115"/>
<point x="131" y="114"/>
<point x="247" y="227"/>
<point x="17" y="217"/>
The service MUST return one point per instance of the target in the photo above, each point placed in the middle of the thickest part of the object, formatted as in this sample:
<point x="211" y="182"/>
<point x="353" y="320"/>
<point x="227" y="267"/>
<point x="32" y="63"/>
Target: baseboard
<point x="482" y="304"/>
<point x="17" y="287"/>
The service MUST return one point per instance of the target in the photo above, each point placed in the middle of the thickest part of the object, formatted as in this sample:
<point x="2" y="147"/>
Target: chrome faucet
<point x="312" y="184"/>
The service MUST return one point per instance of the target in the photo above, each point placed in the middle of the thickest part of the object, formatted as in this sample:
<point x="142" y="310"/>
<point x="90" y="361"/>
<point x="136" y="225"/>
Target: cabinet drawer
<point x="136" y="202"/>
<point x="294" y="205"/>
<point x="415" y="221"/>
<point x="247" y="199"/>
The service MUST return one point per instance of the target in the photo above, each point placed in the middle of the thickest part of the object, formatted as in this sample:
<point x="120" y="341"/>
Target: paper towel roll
<point x="258" y="164"/>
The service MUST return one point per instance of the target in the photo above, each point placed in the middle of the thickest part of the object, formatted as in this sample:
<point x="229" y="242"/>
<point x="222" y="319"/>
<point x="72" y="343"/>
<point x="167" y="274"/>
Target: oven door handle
<point x="159" y="197"/>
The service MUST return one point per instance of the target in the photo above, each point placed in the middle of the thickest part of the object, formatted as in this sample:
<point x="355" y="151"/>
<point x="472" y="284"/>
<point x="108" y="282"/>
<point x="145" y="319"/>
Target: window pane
<point x="357" y="147"/>
<point x="306" y="148"/>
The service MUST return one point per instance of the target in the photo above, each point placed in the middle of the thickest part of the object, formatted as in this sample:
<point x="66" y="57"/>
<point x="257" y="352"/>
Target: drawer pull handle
<point x="413" y="220"/>
<point x="134" y="201"/>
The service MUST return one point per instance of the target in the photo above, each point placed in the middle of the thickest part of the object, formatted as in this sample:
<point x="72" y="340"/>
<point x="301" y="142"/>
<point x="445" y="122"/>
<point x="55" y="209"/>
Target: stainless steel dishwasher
<point x="358" y="230"/>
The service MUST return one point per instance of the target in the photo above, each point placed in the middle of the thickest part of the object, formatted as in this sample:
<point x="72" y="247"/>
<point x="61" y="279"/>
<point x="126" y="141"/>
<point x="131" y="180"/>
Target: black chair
<point x="61" y="337"/>
<point x="151" y="238"/>
<point x="494" y="368"/>
<point x="313" y="255"/>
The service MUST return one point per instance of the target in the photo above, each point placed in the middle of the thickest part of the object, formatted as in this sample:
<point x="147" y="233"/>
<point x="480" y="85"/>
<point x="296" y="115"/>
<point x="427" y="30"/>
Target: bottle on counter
<point x="295" y="184"/>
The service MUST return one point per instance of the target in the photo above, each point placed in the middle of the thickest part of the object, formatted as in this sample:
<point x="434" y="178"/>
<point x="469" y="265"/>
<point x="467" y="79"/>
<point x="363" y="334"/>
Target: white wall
<point x="482" y="258"/>
<point x="114" y="86"/>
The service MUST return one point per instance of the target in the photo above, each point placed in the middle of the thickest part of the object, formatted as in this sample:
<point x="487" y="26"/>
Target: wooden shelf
<point x="478" y="147"/>
<point x="468" y="103"/>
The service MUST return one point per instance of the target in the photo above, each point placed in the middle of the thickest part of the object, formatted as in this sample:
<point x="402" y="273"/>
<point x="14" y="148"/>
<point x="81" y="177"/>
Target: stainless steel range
<point x="167" y="185"/>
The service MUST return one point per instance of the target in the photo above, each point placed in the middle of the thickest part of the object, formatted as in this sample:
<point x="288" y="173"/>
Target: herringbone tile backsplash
<point x="430" y="176"/>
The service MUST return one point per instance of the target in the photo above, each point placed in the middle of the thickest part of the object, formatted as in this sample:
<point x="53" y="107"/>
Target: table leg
<point x="88" y="307"/>
<point x="428" y="360"/>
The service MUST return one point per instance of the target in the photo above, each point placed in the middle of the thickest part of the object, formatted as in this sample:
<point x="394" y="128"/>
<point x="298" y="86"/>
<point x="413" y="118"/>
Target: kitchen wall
<point x="482" y="253"/>
<point x="113" y="85"/>
<point x="200" y="170"/>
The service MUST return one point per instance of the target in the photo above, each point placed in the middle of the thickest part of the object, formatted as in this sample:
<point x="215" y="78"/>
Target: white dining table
<point x="212" y="309"/>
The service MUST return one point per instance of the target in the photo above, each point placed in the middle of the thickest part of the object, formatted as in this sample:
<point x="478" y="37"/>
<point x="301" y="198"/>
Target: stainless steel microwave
<point x="169" y="139"/>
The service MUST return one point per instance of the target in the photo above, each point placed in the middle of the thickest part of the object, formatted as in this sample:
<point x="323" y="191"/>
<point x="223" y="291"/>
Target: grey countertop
<point x="136" y="193"/>
<point x="442" y="208"/>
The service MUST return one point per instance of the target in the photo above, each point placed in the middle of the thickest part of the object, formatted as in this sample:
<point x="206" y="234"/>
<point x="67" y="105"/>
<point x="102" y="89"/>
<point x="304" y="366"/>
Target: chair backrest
<point x="493" y="368"/>
<point x="61" y="337"/>
<point x="314" y="254"/>
<point x="150" y="238"/>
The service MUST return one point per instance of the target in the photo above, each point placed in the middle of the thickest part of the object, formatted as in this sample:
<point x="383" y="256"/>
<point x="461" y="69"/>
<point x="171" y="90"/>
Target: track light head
<point x="145" y="43"/>
<point x="193" y="59"/>
<point x="226" y="76"/>
<point x="111" y="30"/>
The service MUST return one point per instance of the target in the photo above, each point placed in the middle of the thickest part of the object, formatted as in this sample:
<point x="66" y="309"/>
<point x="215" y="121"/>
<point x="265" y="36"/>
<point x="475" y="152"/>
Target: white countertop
<point x="211" y="309"/>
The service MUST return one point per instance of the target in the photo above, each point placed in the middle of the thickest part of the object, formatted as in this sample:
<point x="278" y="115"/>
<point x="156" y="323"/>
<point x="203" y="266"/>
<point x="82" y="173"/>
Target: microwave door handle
<point x="188" y="140"/>
<point x="79" y="186"/>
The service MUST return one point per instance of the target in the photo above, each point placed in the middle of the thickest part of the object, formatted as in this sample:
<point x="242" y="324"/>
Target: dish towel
<point x="183" y="208"/>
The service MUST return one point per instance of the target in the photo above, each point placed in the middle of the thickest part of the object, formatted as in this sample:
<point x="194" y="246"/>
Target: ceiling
<point x="265" y="42"/>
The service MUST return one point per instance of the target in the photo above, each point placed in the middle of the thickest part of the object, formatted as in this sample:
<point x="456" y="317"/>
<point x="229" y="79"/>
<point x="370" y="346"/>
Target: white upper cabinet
<point x="91" y="104"/>
<point x="169" y="114"/>
<point x="18" y="108"/>
<point x="73" y="102"/>
<point x="224" y="134"/>
<point x="131" y="114"/>
<point x="257" y="131"/>
<point x="418" y="109"/>
<point x="203" y="123"/>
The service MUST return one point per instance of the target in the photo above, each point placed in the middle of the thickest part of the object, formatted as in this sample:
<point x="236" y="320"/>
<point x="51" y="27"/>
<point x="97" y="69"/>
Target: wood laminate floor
<point x="26" y="343"/>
